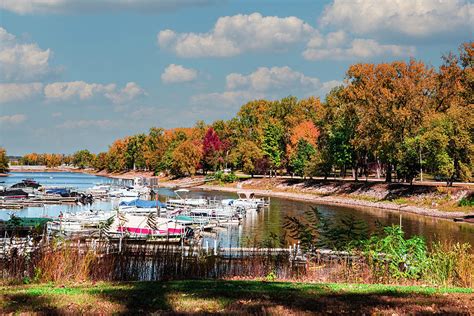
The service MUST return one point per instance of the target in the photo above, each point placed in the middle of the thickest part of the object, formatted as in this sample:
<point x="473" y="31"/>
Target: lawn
<point x="233" y="297"/>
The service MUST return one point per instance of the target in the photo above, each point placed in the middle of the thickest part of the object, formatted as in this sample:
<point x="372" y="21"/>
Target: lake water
<point x="257" y="226"/>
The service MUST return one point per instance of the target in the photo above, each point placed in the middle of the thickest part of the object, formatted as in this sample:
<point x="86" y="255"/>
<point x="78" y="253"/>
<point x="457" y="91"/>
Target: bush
<point x="393" y="254"/>
<point x="450" y="264"/>
<point x="225" y="177"/>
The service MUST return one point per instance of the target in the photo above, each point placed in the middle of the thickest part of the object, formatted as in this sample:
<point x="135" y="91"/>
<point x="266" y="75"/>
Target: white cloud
<point x="225" y="99"/>
<point x="275" y="78"/>
<point x="78" y="6"/>
<point x="128" y="93"/>
<point x="357" y="49"/>
<point x="268" y="83"/>
<point x="102" y="124"/>
<point x="234" y="35"/>
<point x="22" y="61"/>
<point x="10" y="92"/>
<point x="177" y="73"/>
<point x="408" y="17"/>
<point x="12" y="119"/>
<point x="62" y="91"/>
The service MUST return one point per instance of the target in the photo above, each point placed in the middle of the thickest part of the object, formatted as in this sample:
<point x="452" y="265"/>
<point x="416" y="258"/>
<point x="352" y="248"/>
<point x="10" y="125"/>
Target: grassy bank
<point x="233" y="297"/>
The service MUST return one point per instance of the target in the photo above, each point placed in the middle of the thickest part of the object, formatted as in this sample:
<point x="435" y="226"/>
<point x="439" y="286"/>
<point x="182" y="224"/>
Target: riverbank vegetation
<point x="393" y="120"/>
<point x="4" y="168"/>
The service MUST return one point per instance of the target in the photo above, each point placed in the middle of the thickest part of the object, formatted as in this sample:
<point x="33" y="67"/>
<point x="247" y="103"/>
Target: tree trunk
<point x="388" y="176"/>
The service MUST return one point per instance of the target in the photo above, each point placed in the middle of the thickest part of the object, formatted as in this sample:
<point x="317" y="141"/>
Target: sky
<point x="79" y="74"/>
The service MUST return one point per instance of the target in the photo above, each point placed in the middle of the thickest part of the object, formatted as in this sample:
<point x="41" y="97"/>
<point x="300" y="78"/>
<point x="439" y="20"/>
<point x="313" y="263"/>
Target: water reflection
<point x="257" y="227"/>
<point x="260" y="226"/>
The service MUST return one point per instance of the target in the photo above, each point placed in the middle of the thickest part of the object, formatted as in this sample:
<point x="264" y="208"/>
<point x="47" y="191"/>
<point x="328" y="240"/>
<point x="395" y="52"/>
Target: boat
<point x="247" y="200"/>
<point x="181" y="201"/>
<point x="466" y="219"/>
<point x="137" y="206"/>
<point x="140" y="226"/>
<point x="27" y="183"/>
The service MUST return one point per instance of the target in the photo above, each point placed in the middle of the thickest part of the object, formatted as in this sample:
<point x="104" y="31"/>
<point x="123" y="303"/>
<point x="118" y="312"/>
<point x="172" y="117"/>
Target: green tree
<point x="273" y="145"/>
<point x="303" y="155"/>
<point x="4" y="167"/>
<point x="82" y="159"/>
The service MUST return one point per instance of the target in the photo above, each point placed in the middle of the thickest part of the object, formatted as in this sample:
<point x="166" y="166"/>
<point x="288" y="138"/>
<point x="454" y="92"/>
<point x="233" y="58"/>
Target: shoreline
<point x="333" y="200"/>
<point x="314" y="197"/>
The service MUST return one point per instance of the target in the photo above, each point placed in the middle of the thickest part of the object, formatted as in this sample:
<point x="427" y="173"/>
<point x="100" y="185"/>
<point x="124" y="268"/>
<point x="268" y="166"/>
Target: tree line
<point x="395" y="119"/>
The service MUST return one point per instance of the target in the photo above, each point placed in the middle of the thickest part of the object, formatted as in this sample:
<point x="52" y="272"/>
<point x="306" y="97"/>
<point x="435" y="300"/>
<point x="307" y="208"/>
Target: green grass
<point x="211" y="296"/>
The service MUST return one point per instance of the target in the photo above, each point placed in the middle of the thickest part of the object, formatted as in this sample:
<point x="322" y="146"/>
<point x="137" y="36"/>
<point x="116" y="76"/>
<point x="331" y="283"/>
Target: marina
<point x="227" y="219"/>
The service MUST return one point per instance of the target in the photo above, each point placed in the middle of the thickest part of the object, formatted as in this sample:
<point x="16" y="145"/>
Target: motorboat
<point x="140" y="226"/>
<point x="183" y="200"/>
<point x="246" y="200"/>
<point x="143" y="207"/>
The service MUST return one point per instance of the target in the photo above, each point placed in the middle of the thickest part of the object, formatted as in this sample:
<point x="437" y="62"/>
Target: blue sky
<point x="79" y="74"/>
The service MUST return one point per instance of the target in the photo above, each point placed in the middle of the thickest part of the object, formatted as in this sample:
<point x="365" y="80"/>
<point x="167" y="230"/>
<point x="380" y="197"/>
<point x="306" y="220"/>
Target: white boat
<point x="140" y="226"/>
<point x="181" y="201"/>
<point x="246" y="200"/>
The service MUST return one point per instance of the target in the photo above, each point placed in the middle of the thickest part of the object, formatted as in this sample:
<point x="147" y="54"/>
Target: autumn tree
<point x="186" y="158"/>
<point x="212" y="150"/>
<point x="246" y="156"/>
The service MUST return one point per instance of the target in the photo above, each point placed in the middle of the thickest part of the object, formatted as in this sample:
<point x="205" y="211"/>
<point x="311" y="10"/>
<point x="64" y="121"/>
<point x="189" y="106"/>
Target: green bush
<point x="392" y="253"/>
<point x="467" y="201"/>
<point x="225" y="177"/>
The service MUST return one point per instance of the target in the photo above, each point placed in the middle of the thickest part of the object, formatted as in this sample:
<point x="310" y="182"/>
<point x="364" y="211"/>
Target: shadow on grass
<point x="26" y="303"/>
<point x="247" y="297"/>
<point x="255" y="297"/>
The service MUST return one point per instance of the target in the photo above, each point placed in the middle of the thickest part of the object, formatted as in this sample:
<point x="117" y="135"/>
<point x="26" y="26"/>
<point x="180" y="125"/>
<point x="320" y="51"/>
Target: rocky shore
<point x="394" y="197"/>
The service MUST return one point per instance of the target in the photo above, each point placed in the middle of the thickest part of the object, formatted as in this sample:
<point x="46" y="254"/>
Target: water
<point x="257" y="226"/>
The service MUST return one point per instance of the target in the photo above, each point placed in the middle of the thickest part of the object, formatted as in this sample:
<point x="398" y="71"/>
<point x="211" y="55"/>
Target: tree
<point x="246" y="156"/>
<point x="391" y="100"/>
<point x="134" y="152"/>
<point x="186" y="158"/>
<point x="116" y="159"/>
<point x="212" y="150"/>
<point x="301" y="158"/>
<point x="4" y="166"/>
<point x="82" y="159"/>
<point x="273" y="145"/>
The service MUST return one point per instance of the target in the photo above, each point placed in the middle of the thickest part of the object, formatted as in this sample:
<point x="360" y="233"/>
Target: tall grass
<point x="74" y="261"/>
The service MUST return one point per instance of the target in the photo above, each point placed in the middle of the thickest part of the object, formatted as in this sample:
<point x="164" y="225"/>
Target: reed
<point x="78" y="261"/>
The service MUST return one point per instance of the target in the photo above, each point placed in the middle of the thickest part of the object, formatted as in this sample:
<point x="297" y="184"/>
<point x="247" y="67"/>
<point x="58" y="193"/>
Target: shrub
<point x="450" y="264"/>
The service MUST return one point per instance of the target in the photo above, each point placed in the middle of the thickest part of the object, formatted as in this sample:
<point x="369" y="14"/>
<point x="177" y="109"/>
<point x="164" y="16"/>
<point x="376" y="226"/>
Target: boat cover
<point x="60" y="191"/>
<point x="143" y="203"/>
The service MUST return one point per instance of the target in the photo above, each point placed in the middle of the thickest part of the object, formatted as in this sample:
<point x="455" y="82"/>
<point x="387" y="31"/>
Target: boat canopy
<point x="59" y="191"/>
<point x="182" y="190"/>
<point x="143" y="203"/>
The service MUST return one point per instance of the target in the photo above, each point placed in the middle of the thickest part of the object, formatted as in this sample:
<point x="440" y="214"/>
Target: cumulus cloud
<point x="10" y="92"/>
<point x="177" y="73"/>
<point x="22" y="61"/>
<point x="12" y="119"/>
<point x="264" y="79"/>
<point x="416" y="18"/>
<point x="81" y="6"/>
<point x="234" y="35"/>
<point x="126" y="94"/>
<point x="358" y="48"/>
<point x="270" y="83"/>
<point x="62" y="91"/>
